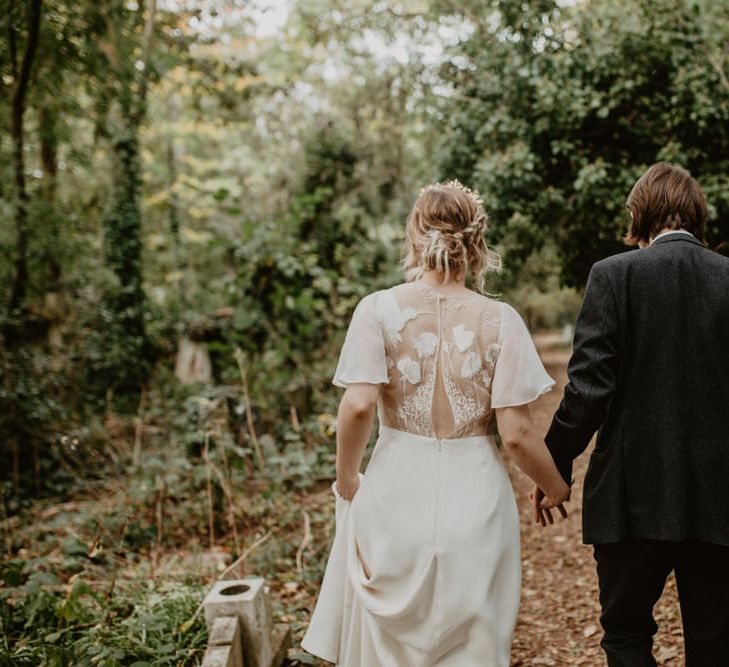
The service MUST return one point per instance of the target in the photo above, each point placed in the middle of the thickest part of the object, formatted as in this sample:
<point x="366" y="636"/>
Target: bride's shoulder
<point x="493" y="304"/>
<point x="506" y="310"/>
<point x="373" y="302"/>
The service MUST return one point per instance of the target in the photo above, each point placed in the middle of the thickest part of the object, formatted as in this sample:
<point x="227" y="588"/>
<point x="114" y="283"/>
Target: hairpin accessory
<point x="456" y="185"/>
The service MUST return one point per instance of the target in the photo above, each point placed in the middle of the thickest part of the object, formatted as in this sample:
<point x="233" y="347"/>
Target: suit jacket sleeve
<point x="592" y="373"/>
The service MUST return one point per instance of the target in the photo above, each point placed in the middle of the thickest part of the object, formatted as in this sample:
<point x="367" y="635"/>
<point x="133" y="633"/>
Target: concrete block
<point x="246" y="599"/>
<point x="226" y="632"/>
<point x="219" y="656"/>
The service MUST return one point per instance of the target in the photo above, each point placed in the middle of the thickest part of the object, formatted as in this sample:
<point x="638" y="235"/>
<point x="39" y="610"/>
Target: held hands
<point x="543" y="504"/>
<point x="347" y="487"/>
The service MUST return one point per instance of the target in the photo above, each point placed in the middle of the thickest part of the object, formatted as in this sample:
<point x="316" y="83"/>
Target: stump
<point x="193" y="362"/>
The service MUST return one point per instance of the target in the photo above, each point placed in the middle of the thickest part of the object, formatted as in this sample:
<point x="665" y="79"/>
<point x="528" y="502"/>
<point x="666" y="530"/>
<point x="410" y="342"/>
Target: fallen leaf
<point x="589" y="631"/>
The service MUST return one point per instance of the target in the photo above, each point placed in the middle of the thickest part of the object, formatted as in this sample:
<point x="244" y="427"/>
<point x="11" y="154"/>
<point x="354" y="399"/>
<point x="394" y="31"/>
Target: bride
<point x="425" y="565"/>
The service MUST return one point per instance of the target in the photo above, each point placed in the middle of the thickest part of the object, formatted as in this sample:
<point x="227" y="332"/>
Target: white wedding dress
<point x="425" y="564"/>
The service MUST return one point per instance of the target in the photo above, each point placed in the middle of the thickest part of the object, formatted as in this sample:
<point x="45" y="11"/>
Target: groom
<point x="650" y="373"/>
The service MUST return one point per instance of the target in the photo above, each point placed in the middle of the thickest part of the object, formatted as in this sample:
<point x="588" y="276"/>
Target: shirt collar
<point x="670" y="231"/>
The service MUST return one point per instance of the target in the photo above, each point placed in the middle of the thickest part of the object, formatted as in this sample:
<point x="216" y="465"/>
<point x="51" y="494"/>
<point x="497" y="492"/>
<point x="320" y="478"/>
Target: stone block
<point x="246" y="599"/>
<point x="226" y="632"/>
<point x="219" y="656"/>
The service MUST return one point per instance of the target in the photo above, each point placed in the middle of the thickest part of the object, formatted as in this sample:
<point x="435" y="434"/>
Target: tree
<point x="21" y="67"/>
<point x="559" y="110"/>
<point x="124" y="71"/>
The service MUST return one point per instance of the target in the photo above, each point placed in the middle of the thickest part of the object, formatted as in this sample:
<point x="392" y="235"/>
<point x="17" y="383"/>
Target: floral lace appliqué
<point x="471" y="365"/>
<point x="415" y="409"/>
<point x="435" y="342"/>
<point x="490" y="356"/>
<point x="425" y="344"/>
<point x="394" y="320"/>
<point x="410" y="370"/>
<point x="464" y="406"/>
<point x="462" y="337"/>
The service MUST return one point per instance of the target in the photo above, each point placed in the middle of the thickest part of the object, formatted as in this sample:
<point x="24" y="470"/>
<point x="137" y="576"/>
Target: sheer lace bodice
<point x="445" y="361"/>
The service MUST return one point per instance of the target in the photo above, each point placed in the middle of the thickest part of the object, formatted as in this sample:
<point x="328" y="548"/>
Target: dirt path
<point x="558" y="621"/>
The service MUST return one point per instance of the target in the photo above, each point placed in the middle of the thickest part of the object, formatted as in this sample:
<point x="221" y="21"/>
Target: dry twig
<point x="211" y="523"/>
<point x="249" y="414"/>
<point x="304" y="543"/>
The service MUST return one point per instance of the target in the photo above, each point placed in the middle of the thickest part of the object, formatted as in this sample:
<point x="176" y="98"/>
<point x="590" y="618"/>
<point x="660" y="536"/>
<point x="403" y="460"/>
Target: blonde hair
<point x="444" y="232"/>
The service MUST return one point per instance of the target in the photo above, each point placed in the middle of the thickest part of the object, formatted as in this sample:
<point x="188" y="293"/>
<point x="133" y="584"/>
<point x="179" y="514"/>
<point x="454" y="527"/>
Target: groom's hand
<point x="543" y="507"/>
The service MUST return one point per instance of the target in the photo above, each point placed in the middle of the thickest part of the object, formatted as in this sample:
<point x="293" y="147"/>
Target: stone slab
<point x="220" y="656"/>
<point x="225" y="631"/>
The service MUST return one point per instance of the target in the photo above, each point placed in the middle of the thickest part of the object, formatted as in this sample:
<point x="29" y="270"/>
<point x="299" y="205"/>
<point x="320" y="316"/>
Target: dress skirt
<point x="425" y="565"/>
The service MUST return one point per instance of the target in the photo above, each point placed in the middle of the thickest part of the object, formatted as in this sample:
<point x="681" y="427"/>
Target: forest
<point x="194" y="194"/>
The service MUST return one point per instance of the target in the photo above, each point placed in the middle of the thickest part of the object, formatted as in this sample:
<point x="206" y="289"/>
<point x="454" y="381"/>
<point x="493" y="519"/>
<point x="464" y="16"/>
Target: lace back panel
<point x="445" y="361"/>
<point x="440" y="353"/>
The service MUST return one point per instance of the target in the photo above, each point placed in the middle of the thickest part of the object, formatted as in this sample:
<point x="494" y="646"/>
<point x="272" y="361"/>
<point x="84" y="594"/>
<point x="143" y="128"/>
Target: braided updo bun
<point x="445" y="231"/>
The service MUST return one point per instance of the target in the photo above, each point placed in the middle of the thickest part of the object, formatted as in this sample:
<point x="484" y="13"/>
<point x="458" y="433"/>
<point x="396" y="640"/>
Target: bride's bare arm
<point x="525" y="444"/>
<point x="354" y="425"/>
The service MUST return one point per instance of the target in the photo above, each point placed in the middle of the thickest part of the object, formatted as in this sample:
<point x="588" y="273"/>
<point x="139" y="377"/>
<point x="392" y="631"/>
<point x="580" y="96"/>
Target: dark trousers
<point x="632" y="576"/>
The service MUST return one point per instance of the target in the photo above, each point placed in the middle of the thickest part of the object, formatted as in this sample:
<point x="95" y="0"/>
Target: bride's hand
<point x="347" y="487"/>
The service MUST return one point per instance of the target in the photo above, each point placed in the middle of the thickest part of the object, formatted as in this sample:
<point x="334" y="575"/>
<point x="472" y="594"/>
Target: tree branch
<point x="31" y="48"/>
<point x="20" y="90"/>
<point x="12" y="42"/>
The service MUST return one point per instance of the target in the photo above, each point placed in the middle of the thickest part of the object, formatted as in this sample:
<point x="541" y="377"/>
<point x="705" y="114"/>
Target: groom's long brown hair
<point x="666" y="197"/>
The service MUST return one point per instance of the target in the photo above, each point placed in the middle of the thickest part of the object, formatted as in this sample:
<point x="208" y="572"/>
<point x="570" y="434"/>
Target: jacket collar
<point x="670" y="238"/>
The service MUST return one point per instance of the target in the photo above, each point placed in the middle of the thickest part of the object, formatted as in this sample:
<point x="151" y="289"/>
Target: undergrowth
<point x="114" y="572"/>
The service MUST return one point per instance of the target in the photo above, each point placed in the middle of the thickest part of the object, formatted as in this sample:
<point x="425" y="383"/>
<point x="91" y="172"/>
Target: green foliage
<point x="85" y="596"/>
<point x="564" y="108"/>
<point x="43" y="621"/>
<point x="536" y="288"/>
<point x="31" y="404"/>
<point x="299" y="277"/>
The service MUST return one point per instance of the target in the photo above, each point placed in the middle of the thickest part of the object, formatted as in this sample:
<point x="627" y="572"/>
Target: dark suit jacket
<point x="650" y="370"/>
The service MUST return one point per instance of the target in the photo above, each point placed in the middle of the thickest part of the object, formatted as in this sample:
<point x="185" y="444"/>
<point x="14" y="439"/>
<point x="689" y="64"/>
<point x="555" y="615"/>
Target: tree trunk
<point x="174" y="220"/>
<point x="20" y="89"/>
<point x="47" y="120"/>
<point x="122" y="234"/>
<point x="54" y="305"/>
<point x="122" y="223"/>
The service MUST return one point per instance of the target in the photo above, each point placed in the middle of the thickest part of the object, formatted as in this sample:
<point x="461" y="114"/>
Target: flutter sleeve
<point x="519" y="376"/>
<point x="362" y="358"/>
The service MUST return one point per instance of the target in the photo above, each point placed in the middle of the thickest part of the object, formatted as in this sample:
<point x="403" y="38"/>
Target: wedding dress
<point x="425" y="564"/>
